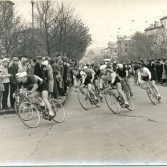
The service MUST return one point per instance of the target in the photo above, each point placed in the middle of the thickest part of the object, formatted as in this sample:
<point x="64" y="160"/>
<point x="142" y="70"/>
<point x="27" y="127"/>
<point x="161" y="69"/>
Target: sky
<point x="108" y="18"/>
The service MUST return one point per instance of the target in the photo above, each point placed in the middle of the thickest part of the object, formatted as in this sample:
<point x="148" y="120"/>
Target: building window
<point x="115" y="51"/>
<point x="126" y="44"/>
<point x="126" y="50"/>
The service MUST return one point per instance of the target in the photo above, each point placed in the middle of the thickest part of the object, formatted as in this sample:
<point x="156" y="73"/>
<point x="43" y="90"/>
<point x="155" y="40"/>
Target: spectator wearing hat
<point x="13" y="69"/>
<point x="38" y="67"/>
<point x="6" y="82"/>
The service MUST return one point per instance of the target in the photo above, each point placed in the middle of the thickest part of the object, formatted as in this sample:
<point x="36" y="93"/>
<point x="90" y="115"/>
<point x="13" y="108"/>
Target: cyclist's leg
<point x="130" y="90"/>
<point x="119" y="89"/>
<point x="156" y="89"/>
<point x="90" y="89"/>
<point x="47" y="103"/>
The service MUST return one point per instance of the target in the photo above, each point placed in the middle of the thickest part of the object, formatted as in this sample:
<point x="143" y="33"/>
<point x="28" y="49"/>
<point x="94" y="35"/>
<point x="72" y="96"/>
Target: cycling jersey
<point x="145" y="74"/>
<point x="33" y="79"/>
<point x="121" y="73"/>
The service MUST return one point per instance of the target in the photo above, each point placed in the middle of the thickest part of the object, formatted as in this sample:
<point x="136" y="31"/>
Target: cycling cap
<point x="45" y="63"/>
<point x="85" y="67"/>
<point x="102" y="67"/>
<point x="120" y="65"/>
<point x="21" y="75"/>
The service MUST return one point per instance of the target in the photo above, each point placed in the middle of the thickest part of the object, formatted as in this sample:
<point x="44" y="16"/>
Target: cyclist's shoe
<point x="101" y="98"/>
<point x="131" y="94"/>
<point x="50" y="117"/>
<point x="126" y="105"/>
<point x="159" y="98"/>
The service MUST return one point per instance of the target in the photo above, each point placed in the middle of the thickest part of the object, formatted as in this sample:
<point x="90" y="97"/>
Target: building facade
<point x="111" y="51"/>
<point x="123" y="44"/>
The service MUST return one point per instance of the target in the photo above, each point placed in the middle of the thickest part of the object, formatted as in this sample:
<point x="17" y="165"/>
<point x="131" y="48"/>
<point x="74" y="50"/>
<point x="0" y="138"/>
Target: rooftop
<point x="153" y="28"/>
<point x="163" y="18"/>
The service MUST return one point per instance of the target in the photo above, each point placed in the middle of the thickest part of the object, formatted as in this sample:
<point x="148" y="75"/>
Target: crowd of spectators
<point x="157" y="67"/>
<point x="57" y="72"/>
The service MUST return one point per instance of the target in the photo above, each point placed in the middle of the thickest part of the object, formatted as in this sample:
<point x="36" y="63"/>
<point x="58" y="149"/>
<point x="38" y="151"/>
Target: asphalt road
<point x="96" y="137"/>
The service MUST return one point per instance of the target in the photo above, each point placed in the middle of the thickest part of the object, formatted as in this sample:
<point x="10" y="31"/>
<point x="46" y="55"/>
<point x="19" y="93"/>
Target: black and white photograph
<point x="83" y="82"/>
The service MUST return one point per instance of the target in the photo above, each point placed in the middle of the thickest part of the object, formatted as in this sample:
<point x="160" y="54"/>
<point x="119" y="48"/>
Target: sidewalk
<point x="12" y="111"/>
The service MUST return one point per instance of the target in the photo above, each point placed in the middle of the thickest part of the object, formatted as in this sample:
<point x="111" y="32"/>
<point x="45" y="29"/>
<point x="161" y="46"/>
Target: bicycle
<point x="86" y="98"/>
<point x="151" y="92"/>
<point x="115" y="102"/>
<point x="31" y="108"/>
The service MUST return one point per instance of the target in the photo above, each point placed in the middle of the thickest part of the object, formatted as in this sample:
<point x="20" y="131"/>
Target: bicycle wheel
<point x="112" y="103"/>
<point x="84" y="100"/>
<point x="29" y="114"/>
<point x="152" y="94"/>
<point x="58" y="109"/>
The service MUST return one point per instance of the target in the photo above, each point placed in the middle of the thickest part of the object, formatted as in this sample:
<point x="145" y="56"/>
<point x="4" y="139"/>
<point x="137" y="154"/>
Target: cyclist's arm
<point x="149" y="73"/>
<point x="93" y="76"/>
<point x="34" y="88"/>
<point x="83" y="77"/>
<point x="139" y="76"/>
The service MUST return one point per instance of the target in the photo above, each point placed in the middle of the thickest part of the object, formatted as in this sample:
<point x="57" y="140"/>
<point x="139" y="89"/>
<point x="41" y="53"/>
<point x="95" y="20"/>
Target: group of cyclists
<point x="112" y="74"/>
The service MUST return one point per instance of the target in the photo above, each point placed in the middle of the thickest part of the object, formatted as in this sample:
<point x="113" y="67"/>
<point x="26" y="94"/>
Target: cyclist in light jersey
<point x="145" y="75"/>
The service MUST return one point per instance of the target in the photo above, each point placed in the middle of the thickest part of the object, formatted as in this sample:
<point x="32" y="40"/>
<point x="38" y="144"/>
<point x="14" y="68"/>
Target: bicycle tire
<point x="115" y="106"/>
<point x="58" y="109"/>
<point x="152" y="95"/>
<point x="29" y="115"/>
<point x="83" y="98"/>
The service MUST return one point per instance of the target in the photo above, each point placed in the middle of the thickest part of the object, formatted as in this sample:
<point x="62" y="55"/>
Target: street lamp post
<point x="33" y="47"/>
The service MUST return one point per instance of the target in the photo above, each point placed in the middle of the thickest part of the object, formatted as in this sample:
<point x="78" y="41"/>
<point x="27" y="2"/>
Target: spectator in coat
<point x="13" y="69"/>
<point x="38" y="67"/>
<point x="6" y="82"/>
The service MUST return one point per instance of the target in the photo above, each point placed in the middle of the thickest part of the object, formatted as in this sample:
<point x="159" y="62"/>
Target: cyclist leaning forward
<point x="122" y="73"/>
<point x="85" y="77"/>
<point x="35" y="85"/>
<point x="145" y="75"/>
<point x="108" y="75"/>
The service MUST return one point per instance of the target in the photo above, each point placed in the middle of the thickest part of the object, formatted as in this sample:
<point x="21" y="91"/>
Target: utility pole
<point x="33" y="46"/>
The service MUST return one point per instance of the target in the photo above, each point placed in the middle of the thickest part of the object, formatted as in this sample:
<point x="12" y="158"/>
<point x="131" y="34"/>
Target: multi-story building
<point x="123" y="44"/>
<point x="111" y="51"/>
<point x="159" y="31"/>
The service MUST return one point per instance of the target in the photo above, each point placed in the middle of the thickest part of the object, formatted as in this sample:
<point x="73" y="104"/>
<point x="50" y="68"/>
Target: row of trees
<point x="145" y="47"/>
<point x="57" y="31"/>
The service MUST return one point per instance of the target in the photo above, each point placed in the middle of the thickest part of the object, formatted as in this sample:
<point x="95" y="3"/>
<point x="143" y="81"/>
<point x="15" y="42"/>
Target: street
<point x="96" y="136"/>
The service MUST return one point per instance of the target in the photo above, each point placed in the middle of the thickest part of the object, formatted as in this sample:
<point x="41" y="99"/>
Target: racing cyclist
<point x="145" y="75"/>
<point x="35" y="85"/>
<point x="111" y="77"/>
<point x="123" y="75"/>
<point x="88" y="79"/>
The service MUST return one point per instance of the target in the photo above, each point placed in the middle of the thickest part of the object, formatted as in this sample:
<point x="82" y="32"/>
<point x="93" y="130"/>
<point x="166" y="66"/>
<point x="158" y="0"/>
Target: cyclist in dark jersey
<point x="123" y="74"/>
<point x="35" y="85"/>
